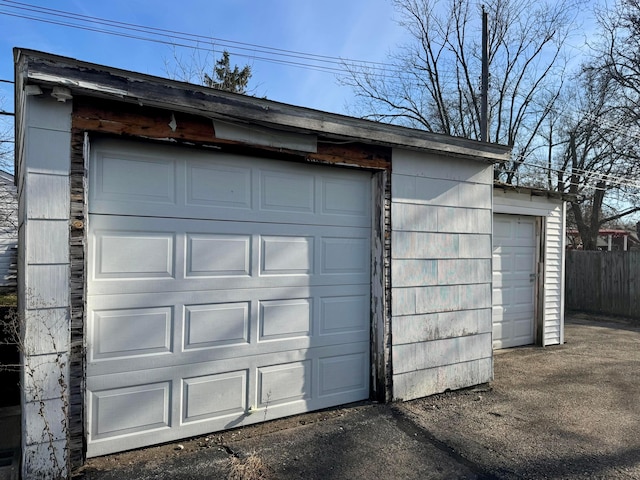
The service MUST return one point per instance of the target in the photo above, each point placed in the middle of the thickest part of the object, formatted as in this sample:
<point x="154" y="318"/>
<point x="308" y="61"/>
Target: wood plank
<point x="128" y="120"/>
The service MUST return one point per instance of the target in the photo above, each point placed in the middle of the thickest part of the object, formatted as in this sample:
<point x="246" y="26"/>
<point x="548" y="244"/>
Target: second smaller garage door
<point x="514" y="280"/>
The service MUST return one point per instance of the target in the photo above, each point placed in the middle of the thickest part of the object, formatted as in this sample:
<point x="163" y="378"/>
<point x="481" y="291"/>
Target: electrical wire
<point x="291" y="58"/>
<point x="322" y="63"/>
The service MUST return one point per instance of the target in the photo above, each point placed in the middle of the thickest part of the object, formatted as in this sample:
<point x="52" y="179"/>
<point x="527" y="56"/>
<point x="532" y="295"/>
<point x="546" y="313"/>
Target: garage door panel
<point x="212" y="396"/>
<point x="215" y="255"/>
<point x="284" y="383"/>
<point x="196" y="399"/>
<point x="198" y="185"/>
<point x="287" y="191"/>
<point x="218" y="185"/>
<point x="134" y="179"/>
<point x="216" y="325"/>
<point x="134" y="254"/>
<point x="230" y="291"/>
<point x="200" y="255"/>
<point x="130" y="410"/>
<point x="131" y="332"/>
<point x="192" y="327"/>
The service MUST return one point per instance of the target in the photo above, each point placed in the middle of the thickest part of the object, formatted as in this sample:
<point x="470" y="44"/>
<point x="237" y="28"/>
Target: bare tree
<point x="600" y="156"/>
<point x="435" y="80"/>
<point x="6" y="138"/>
<point x="599" y="160"/>
<point x="618" y="53"/>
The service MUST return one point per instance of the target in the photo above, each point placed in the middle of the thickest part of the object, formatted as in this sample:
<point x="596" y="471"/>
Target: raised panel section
<point x="287" y="255"/>
<point x="285" y="318"/>
<point x="130" y="410"/>
<point x="345" y="255"/>
<point x="134" y="178"/>
<point x="133" y="255"/>
<point x="343" y="314"/>
<point x="213" y="396"/>
<point x="218" y="185"/>
<point x="131" y="332"/>
<point x="216" y="325"/>
<point x="284" y="383"/>
<point x="345" y="197"/>
<point x="218" y="255"/>
<point x="342" y="374"/>
<point x="290" y="192"/>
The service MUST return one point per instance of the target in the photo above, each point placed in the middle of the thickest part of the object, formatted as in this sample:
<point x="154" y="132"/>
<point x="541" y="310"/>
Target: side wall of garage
<point x="43" y="266"/>
<point x="553" y="214"/>
<point x="441" y="274"/>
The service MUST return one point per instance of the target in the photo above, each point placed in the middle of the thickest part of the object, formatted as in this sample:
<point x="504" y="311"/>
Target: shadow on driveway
<point x="568" y="411"/>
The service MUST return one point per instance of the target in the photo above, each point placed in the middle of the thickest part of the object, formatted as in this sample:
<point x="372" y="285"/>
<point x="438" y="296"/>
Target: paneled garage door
<point x="223" y="291"/>
<point x="514" y="266"/>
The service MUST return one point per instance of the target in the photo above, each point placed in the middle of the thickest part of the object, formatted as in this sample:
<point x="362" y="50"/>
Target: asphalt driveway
<point x="570" y="411"/>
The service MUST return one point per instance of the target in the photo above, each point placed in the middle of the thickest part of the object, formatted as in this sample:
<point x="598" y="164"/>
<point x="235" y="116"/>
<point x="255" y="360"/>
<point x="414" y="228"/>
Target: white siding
<point x="553" y="212"/>
<point x="441" y="274"/>
<point x="8" y="231"/>
<point x="554" y="247"/>
<point x="43" y="169"/>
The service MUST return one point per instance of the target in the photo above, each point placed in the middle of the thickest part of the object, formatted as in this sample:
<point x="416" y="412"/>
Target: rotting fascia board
<point x="88" y="79"/>
<point x="535" y="192"/>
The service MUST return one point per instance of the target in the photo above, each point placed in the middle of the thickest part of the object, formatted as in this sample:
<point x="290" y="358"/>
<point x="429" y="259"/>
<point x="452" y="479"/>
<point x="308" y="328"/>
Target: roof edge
<point x="84" y="78"/>
<point x="534" y="192"/>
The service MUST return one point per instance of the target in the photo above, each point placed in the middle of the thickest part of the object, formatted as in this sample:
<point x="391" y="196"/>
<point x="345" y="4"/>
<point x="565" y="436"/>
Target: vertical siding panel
<point x="552" y="314"/>
<point x="43" y="169"/>
<point x="441" y="275"/>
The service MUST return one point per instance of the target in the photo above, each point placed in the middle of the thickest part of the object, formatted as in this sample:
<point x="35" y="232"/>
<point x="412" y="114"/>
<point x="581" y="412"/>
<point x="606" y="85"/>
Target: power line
<point x="322" y="63"/>
<point x="178" y="34"/>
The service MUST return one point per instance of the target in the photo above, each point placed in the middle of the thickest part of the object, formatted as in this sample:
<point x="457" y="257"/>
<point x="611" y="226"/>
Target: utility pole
<point x="484" y="96"/>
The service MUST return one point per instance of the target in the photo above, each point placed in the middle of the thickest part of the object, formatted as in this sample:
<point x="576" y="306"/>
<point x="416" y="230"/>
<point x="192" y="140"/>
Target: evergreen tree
<point x="229" y="79"/>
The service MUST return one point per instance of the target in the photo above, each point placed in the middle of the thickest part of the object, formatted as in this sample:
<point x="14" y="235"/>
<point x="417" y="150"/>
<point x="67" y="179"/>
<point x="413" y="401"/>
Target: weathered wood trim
<point x="84" y="78"/>
<point x="134" y="121"/>
<point x="77" y="238"/>
<point x="380" y="289"/>
<point x="541" y="237"/>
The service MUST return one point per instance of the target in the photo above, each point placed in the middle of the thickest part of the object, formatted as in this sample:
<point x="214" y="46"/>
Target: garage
<point x="193" y="260"/>
<point x="514" y="280"/>
<point x="528" y="267"/>
<point x="223" y="290"/>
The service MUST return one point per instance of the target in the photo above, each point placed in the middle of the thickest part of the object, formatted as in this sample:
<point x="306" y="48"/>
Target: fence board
<point x="603" y="282"/>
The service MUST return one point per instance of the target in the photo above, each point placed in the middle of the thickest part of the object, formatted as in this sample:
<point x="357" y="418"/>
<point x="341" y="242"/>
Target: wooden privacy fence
<point x="603" y="282"/>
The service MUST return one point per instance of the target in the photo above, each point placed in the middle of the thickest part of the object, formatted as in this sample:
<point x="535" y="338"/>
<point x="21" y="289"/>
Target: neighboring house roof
<point x="603" y="234"/>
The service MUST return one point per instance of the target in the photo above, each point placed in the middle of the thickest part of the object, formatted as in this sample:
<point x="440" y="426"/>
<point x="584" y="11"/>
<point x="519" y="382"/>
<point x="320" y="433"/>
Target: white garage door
<point x="223" y="291"/>
<point x="514" y="266"/>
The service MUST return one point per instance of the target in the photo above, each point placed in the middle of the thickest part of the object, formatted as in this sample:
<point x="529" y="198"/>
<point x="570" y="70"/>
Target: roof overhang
<point x="87" y="79"/>
<point x="535" y="192"/>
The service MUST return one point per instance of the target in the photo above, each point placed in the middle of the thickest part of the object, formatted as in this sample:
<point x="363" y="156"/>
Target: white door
<point x="222" y="291"/>
<point x="514" y="280"/>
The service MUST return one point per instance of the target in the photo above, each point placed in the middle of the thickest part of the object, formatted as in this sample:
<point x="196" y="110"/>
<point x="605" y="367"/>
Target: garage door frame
<point x="378" y="328"/>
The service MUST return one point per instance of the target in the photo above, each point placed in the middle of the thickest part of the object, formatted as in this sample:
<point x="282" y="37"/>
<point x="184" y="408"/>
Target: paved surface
<point x="563" y="412"/>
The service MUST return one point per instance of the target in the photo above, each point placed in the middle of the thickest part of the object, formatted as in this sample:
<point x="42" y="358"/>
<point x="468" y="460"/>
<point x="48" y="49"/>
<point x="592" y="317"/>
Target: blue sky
<point x="359" y="29"/>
